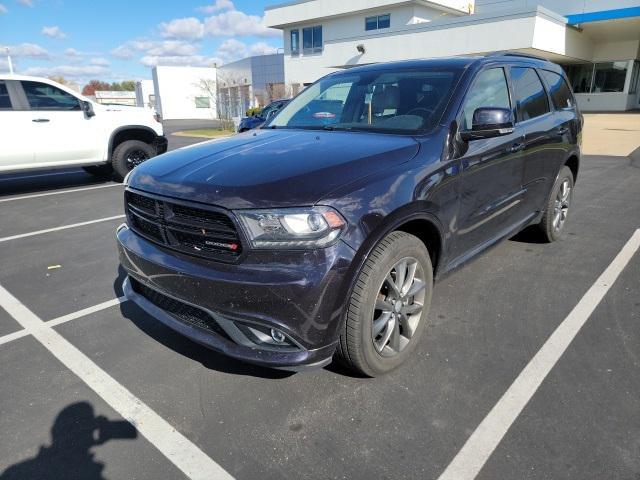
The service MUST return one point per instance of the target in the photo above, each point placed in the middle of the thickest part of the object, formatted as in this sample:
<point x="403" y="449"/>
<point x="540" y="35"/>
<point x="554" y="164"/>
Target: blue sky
<point x="118" y="40"/>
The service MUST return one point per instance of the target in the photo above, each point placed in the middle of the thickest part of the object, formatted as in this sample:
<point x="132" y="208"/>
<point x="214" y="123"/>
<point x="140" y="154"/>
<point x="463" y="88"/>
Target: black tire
<point x="124" y="152"/>
<point x="99" y="170"/>
<point x="357" y="348"/>
<point x="554" y="229"/>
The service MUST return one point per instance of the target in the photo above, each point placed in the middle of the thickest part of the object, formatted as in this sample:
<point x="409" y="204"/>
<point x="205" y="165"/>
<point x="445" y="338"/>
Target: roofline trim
<point x="603" y="15"/>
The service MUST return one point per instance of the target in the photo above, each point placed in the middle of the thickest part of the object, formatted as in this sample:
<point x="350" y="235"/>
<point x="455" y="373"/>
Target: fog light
<point x="277" y="336"/>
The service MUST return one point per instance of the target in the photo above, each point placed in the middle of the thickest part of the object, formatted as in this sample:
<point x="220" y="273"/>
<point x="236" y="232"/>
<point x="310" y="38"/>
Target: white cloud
<point x="53" y="32"/>
<point x="28" y="50"/>
<point x="172" y="60"/>
<point x="3" y="9"/>
<point x="218" y="6"/>
<point x="236" y="23"/>
<point x="232" y="49"/>
<point x="174" y="48"/>
<point x="26" y="3"/>
<point x="70" y="71"/>
<point x="261" y="48"/>
<point x="101" y="62"/>
<point x="188" y="28"/>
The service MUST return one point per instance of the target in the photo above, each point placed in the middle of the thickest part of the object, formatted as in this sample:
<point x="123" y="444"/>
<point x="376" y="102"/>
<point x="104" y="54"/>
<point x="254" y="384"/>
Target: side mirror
<point x="489" y="122"/>
<point x="87" y="108"/>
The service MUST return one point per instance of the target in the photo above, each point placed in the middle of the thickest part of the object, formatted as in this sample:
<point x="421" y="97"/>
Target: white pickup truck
<point x="46" y="125"/>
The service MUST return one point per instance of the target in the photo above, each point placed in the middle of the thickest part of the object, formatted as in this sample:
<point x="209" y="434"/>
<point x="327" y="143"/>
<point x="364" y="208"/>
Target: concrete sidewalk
<point x="615" y="134"/>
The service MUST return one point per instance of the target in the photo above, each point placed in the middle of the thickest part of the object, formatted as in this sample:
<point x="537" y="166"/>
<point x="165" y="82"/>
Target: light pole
<point x="9" y="61"/>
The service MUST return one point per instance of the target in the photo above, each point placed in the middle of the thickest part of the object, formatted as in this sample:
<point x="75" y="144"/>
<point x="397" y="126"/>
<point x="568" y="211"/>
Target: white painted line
<point x="85" y="311"/>
<point x="483" y="441"/>
<point x="185" y="455"/>
<point x="13" y="336"/>
<point x="52" y="174"/>
<point x="66" y="318"/>
<point x="63" y="227"/>
<point x="59" y="192"/>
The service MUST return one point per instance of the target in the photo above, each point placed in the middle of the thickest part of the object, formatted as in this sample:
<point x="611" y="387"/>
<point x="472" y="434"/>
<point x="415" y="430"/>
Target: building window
<point x="203" y="102"/>
<point x="312" y="39"/>
<point x="598" y="78"/>
<point x="609" y="77"/>
<point x="295" y="42"/>
<point x="635" y="78"/>
<point x="377" y="22"/>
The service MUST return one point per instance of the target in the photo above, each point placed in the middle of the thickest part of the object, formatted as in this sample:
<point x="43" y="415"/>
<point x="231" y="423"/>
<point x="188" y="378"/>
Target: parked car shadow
<point x="178" y="343"/>
<point x="529" y="235"/>
<point x="75" y="431"/>
<point x="49" y="180"/>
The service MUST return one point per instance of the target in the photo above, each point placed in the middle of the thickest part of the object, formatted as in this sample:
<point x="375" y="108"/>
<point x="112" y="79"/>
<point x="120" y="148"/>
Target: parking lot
<point x="76" y="360"/>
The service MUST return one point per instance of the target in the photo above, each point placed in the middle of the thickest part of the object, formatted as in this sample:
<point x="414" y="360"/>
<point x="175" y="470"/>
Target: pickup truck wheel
<point x="130" y="154"/>
<point x="557" y="207"/>
<point x="388" y="307"/>
<point x="99" y="170"/>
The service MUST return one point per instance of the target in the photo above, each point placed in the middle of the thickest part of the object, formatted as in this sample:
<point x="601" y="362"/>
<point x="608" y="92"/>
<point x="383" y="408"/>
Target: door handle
<point x="516" y="147"/>
<point x="40" y="120"/>
<point x="562" y="130"/>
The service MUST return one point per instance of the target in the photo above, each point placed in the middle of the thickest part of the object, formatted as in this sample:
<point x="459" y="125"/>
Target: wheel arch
<point x="130" y="132"/>
<point x="573" y="162"/>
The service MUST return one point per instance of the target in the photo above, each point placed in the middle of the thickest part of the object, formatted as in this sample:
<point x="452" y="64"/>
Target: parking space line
<point x="86" y="311"/>
<point x="58" y="192"/>
<point x="66" y="318"/>
<point x="63" y="227"/>
<point x="184" y="454"/>
<point x="13" y="336"/>
<point x="486" y="437"/>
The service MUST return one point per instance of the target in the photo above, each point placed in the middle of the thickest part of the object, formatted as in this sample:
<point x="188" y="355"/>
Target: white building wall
<point x="177" y="89"/>
<point x="563" y="7"/>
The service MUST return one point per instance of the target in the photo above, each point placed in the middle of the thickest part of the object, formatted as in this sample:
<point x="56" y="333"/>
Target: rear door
<point x="16" y="144"/>
<point x="543" y="152"/>
<point x="62" y="132"/>
<point x="492" y="169"/>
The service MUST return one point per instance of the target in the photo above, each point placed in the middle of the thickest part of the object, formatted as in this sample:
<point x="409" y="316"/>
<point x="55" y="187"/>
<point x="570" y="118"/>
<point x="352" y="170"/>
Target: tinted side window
<point x="5" y="101"/>
<point x="47" y="97"/>
<point x="559" y="90"/>
<point x="488" y="90"/>
<point x="531" y="99"/>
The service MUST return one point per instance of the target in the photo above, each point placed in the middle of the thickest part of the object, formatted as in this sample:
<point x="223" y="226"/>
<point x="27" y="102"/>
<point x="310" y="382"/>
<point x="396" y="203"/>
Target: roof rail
<point x="508" y="53"/>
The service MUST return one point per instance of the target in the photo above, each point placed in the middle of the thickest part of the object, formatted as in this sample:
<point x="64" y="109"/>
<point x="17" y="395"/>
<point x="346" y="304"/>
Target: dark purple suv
<point x="320" y="236"/>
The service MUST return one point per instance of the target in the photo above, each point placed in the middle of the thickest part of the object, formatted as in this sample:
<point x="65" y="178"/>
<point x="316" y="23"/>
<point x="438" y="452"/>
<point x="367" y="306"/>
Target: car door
<point x="16" y="146"/>
<point x="543" y="152"/>
<point x="62" y="133"/>
<point x="491" y="171"/>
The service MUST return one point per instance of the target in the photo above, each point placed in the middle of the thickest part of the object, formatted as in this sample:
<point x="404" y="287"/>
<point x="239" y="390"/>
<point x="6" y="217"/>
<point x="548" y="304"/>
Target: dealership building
<point x="596" y="41"/>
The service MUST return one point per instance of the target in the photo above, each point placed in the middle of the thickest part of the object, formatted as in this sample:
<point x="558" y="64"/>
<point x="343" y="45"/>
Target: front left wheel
<point x="388" y="307"/>
<point x="130" y="154"/>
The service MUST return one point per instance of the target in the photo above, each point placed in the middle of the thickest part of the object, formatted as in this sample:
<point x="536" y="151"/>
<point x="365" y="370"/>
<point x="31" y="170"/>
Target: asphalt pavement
<point x="487" y="322"/>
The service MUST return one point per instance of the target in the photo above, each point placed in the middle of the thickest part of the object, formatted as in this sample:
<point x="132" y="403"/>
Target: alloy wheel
<point x="135" y="158"/>
<point x="398" y="307"/>
<point x="562" y="203"/>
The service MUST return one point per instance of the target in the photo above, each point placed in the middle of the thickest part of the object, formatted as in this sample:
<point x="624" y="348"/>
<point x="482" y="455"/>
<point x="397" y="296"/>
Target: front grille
<point x="181" y="311"/>
<point x="195" y="231"/>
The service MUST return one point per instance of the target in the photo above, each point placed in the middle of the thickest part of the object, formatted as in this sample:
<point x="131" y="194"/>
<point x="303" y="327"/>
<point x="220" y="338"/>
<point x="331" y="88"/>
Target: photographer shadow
<point x="75" y="431"/>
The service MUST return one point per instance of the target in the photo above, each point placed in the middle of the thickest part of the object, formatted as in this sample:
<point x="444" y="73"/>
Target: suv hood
<point x="271" y="168"/>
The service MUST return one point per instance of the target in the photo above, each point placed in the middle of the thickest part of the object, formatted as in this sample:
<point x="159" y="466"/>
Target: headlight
<point x="292" y="227"/>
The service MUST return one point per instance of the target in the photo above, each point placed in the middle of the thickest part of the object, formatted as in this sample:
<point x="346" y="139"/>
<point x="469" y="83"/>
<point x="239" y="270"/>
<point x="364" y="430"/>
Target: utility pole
<point x="9" y="61"/>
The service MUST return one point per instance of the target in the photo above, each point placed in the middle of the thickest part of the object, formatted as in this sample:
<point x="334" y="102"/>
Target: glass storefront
<point x="602" y="77"/>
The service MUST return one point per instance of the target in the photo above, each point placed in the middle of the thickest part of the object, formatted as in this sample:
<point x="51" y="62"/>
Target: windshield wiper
<point x="334" y="127"/>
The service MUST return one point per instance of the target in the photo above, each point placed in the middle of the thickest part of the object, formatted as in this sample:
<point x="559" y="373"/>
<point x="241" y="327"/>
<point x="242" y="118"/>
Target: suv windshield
<point x="401" y="101"/>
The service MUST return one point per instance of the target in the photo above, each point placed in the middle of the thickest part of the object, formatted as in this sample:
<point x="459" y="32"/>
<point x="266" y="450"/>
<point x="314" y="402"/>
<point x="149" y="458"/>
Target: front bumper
<point x="161" y="144"/>
<point x="299" y="293"/>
